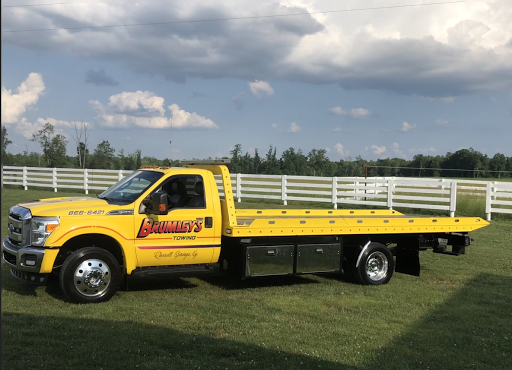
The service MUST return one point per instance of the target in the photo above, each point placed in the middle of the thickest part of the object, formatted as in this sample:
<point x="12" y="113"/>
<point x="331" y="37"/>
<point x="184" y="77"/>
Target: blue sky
<point x="375" y="83"/>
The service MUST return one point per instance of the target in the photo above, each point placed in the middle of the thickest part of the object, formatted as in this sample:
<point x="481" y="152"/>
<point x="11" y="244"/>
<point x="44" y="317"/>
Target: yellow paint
<point x="48" y="260"/>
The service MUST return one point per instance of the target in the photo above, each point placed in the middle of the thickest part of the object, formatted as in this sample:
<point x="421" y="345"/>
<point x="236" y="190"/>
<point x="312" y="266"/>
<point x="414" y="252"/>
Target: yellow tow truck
<point x="183" y="219"/>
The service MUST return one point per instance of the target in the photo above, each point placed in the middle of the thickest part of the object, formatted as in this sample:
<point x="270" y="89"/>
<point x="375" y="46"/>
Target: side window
<point x="185" y="191"/>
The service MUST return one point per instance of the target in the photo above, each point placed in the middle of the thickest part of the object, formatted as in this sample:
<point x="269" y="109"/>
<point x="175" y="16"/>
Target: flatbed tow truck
<point x="179" y="220"/>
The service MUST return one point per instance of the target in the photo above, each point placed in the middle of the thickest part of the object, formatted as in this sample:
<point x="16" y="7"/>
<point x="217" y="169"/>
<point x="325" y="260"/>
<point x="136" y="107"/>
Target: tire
<point x="90" y="275"/>
<point x="376" y="265"/>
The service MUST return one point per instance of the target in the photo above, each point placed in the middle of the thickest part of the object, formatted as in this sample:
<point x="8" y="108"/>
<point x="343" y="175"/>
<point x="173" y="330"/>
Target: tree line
<point x="468" y="163"/>
<point x="462" y="163"/>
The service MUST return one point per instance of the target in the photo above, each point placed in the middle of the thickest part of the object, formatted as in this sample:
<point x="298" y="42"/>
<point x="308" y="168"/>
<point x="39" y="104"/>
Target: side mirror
<point x="160" y="203"/>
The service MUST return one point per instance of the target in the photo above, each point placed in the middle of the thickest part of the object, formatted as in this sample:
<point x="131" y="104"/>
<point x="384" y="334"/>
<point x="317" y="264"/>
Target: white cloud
<point x="57" y="123"/>
<point x="378" y="149"/>
<point x="145" y="109"/>
<point x="441" y="122"/>
<point x="28" y="93"/>
<point x="327" y="149"/>
<point x="27" y="129"/>
<point x="407" y="127"/>
<point x="397" y="151"/>
<point x="341" y="151"/>
<point x="449" y="51"/>
<point x="337" y="111"/>
<point x="359" y="113"/>
<point x="138" y="101"/>
<point x="356" y="113"/>
<point x="183" y="119"/>
<point x="294" y="128"/>
<point x="260" y="88"/>
<point x="423" y="150"/>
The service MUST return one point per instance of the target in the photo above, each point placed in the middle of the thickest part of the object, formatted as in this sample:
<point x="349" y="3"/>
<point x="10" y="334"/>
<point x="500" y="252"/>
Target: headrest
<point x="178" y="187"/>
<point x="199" y="188"/>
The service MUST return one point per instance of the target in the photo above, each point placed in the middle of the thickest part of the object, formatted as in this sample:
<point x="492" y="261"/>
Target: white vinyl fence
<point x="389" y="192"/>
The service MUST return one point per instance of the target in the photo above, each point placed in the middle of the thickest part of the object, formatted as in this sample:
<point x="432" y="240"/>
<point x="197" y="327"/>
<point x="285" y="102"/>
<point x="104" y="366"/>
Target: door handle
<point x="208" y="222"/>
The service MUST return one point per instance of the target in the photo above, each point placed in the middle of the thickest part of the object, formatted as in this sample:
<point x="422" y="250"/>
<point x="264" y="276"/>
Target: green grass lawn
<point x="456" y="315"/>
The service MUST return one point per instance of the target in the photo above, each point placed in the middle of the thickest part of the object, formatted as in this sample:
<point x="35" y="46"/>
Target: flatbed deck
<point x="251" y="223"/>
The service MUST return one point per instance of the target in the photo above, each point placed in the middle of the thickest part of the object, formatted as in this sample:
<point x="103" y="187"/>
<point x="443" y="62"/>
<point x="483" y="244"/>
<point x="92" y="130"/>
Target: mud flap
<point x="407" y="257"/>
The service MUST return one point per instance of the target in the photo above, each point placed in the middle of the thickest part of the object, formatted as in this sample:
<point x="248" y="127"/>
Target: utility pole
<point x="170" y="145"/>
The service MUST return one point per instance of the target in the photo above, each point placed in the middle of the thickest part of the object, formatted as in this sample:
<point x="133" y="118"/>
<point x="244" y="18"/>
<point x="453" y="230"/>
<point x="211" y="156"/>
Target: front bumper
<point x="25" y="263"/>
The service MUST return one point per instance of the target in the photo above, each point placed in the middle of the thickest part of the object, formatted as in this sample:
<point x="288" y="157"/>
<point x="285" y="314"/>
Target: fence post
<point x="120" y="175"/>
<point x="239" y="187"/>
<point x="335" y="192"/>
<point x="453" y="198"/>
<point x="25" y="178"/>
<point x="54" y="179"/>
<point x="488" y="198"/>
<point x="356" y="191"/>
<point x="283" y="190"/>
<point x="390" y="193"/>
<point x="493" y="190"/>
<point x="86" y="181"/>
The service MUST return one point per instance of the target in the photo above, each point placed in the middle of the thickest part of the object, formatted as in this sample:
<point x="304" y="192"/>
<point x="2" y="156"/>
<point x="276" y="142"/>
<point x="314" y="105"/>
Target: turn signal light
<point x="51" y="227"/>
<point x="162" y="207"/>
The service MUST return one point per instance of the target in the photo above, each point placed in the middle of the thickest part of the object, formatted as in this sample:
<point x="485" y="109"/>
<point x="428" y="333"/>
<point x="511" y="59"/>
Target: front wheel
<point x="90" y="275"/>
<point x="376" y="265"/>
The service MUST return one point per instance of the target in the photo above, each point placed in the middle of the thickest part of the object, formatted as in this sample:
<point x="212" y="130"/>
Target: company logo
<point x="150" y="226"/>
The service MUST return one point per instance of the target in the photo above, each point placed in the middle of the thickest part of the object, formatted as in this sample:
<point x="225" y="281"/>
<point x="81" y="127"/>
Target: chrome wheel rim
<point x="92" y="277"/>
<point x="377" y="266"/>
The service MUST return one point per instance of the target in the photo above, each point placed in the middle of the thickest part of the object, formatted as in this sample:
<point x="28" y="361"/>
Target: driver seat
<point x="177" y="194"/>
<point x="197" y="200"/>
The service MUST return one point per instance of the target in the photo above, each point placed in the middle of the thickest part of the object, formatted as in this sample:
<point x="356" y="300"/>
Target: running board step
<point x="178" y="270"/>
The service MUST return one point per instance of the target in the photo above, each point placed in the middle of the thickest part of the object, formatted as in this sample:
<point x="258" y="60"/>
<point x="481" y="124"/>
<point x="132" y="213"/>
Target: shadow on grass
<point x="234" y="283"/>
<point x="472" y="329"/>
<point x="157" y="282"/>
<point x="160" y="282"/>
<point x="73" y="343"/>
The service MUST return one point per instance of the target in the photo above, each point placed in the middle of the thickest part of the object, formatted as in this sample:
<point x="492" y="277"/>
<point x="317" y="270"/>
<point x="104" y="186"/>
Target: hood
<point x="63" y="206"/>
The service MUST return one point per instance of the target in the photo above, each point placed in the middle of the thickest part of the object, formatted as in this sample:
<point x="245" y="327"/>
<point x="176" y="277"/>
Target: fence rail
<point x="389" y="192"/>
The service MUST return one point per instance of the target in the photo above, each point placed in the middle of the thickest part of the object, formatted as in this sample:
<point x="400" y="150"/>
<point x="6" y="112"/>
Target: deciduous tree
<point x="53" y="145"/>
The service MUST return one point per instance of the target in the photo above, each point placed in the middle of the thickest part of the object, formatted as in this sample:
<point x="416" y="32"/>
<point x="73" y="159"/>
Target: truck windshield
<point x="131" y="187"/>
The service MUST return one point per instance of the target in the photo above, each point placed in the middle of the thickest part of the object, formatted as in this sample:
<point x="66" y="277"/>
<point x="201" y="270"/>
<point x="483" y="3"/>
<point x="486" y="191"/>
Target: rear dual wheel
<point x="376" y="265"/>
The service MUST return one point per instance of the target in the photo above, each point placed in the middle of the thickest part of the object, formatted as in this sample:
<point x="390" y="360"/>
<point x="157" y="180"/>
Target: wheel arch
<point x="103" y="241"/>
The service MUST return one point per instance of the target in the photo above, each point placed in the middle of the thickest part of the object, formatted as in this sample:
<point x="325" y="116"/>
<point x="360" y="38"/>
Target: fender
<point x="62" y="235"/>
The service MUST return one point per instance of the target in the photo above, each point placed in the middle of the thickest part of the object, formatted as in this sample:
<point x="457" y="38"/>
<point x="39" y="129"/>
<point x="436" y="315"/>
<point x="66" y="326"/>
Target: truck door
<point x="186" y="234"/>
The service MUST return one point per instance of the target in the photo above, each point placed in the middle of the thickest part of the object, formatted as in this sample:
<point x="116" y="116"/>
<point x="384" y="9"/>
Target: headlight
<point x="41" y="229"/>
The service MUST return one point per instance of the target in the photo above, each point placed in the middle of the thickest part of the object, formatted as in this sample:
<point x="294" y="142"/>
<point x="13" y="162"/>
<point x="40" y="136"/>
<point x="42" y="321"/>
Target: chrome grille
<point x="18" y="227"/>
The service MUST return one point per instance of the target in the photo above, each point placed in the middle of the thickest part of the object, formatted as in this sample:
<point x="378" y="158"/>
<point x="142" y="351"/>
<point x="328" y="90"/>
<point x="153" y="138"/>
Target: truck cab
<point x="154" y="217"/>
